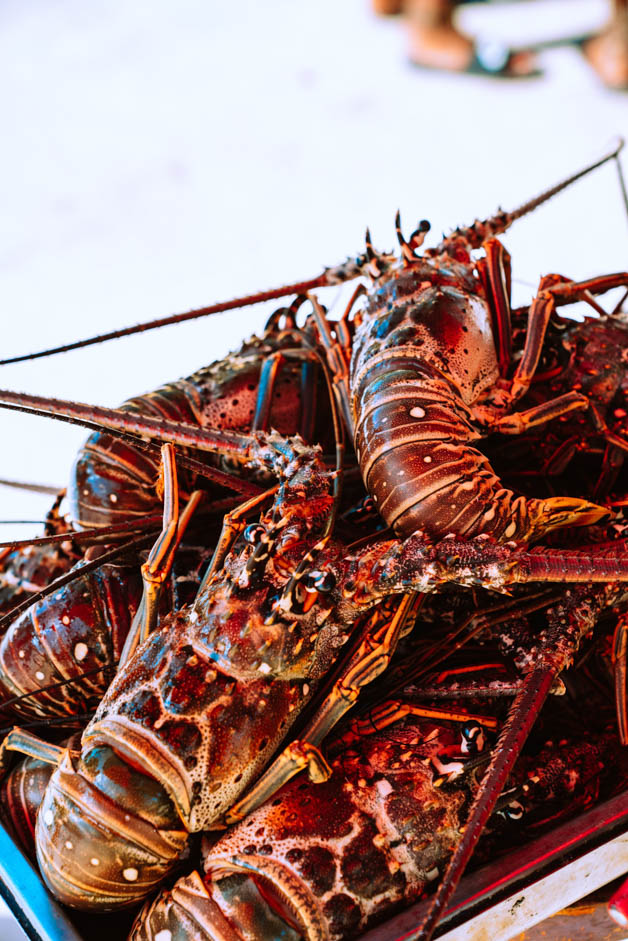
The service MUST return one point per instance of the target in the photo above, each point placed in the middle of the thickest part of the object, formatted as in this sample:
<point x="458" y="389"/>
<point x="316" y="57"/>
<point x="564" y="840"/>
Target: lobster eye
<point x="473" y="740"/>
<point x="514" y="811"/>
<point x="321" y="580"/>
<point x="253" y="533"/>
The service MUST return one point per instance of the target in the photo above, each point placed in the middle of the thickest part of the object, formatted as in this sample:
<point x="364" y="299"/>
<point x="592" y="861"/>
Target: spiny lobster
<point x="324" y="862"/>
<point x="426" y="565"/>
<point x="206" y="699"/>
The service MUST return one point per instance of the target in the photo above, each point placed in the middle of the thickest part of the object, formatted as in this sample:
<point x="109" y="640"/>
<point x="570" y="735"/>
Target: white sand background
<point x="158" y="156"/>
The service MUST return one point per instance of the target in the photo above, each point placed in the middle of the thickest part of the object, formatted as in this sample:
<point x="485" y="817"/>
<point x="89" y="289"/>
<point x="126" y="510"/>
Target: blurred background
<point x="159" y="156"/>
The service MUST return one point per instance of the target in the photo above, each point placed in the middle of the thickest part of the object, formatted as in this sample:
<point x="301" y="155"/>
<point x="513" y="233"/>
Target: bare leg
<point x="387" y="7"/>
<point x="437" y="43"/>
<point x="607" y="53"/>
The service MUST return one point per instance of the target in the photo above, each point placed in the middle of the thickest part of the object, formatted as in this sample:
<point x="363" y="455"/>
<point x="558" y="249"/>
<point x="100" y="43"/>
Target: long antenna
<point x="300" y="287"/>
<point x="352" y="268"/>
<point x="479" y="231"/>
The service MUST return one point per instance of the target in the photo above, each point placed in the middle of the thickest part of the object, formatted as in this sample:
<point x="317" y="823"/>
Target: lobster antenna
<point x="7" y="703"/>
<point x="521" y="717"/>
<point x="136" y="543"/>
<point x="301" y="287"/>
<point x="88" y="536"/>
<point x="553" y="190"/>
<point x="33" y="488"/>
<point x="70" y="412"/>
<point x="480" y="231"/>
<point x="622" y="181"/>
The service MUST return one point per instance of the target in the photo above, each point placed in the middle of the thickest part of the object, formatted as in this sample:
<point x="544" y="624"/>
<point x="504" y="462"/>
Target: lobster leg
<point x="157" y="567"/>
<point x="338" y="355"/>
<point x="371" y="659"/>
<point x="268" y="379"/>
<point x="473" y="625"/>
<point x="521" y="717"/>
<point x="394" y="710"/>
<point x="495" y="273"/>
<point x="620" y="647"/>
<point x="28" y="744"/>
<point x="554" y="291"/>
<point x="519" y="422"/>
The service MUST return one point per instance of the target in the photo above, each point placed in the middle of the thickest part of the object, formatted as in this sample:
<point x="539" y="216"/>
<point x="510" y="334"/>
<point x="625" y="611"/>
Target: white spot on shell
<point x="384" y="787"/>
<point x="94" y="861"/>
<point x="164" y="935"/>
<point x="427" y="459"/>
<point x="39" y="675"/>
<point x="417" y="412"/>
<point x="80" y="651"/>
<point x="264" y="668"/>
<point x="69" y="845"/>
<point x="49" y="818"/>
<point x="130" y="874"/>
<point x="65" y="619"/>
<point x="193" y="617"/>
<point x="306" y="689"/>
<point x="432" y="874"/>
<point x="21" y="654"/>
<point x="113" y="498"/>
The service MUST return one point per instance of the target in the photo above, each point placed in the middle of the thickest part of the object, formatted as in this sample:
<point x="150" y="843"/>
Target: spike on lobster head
<point x="95" y="852"/>
<point x="377" y="263"/>
<point x="408" y="249"/>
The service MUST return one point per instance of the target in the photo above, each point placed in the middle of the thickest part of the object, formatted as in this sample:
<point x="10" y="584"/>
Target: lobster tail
<point x="94" y="853"/>
<point x="187" y="912"/>
<point x="559" y="512"/>
<point x="58" y="654"/>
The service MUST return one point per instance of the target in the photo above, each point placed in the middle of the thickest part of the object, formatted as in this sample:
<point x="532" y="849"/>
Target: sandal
<point x="488" y="58"/>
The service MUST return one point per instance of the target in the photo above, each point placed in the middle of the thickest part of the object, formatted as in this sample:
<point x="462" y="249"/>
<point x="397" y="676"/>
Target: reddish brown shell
<point x="75" y="634"/>
<point x="114" y="481"/>
<point x="105" y="826"/>
<point x="21" y="793"/>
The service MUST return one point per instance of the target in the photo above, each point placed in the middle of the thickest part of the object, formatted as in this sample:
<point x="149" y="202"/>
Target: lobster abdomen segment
<point x="58" y="653"/>
<point x="423" y="357"/>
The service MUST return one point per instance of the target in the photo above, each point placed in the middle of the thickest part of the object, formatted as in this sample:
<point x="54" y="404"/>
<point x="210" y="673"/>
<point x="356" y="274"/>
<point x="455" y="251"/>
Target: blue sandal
<point x="489" y="58"/>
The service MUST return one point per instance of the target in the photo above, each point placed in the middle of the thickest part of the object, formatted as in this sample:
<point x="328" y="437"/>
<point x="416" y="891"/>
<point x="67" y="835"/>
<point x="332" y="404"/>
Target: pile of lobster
<point x="463" y="560"/>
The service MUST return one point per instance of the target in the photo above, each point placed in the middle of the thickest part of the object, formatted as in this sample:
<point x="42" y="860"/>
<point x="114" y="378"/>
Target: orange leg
<point x="371" y="658"/>
<point x="495" y="272"/>
<point x="620" y="645"/>
<point x="555" y="291"/>
<point x="159" y="563"/>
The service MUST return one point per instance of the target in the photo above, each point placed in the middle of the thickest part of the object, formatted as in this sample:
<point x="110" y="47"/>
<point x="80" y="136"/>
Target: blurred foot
<point x="435" y="43"/>
<point x="387" y="7"/>
<point x="608" y="52"/>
